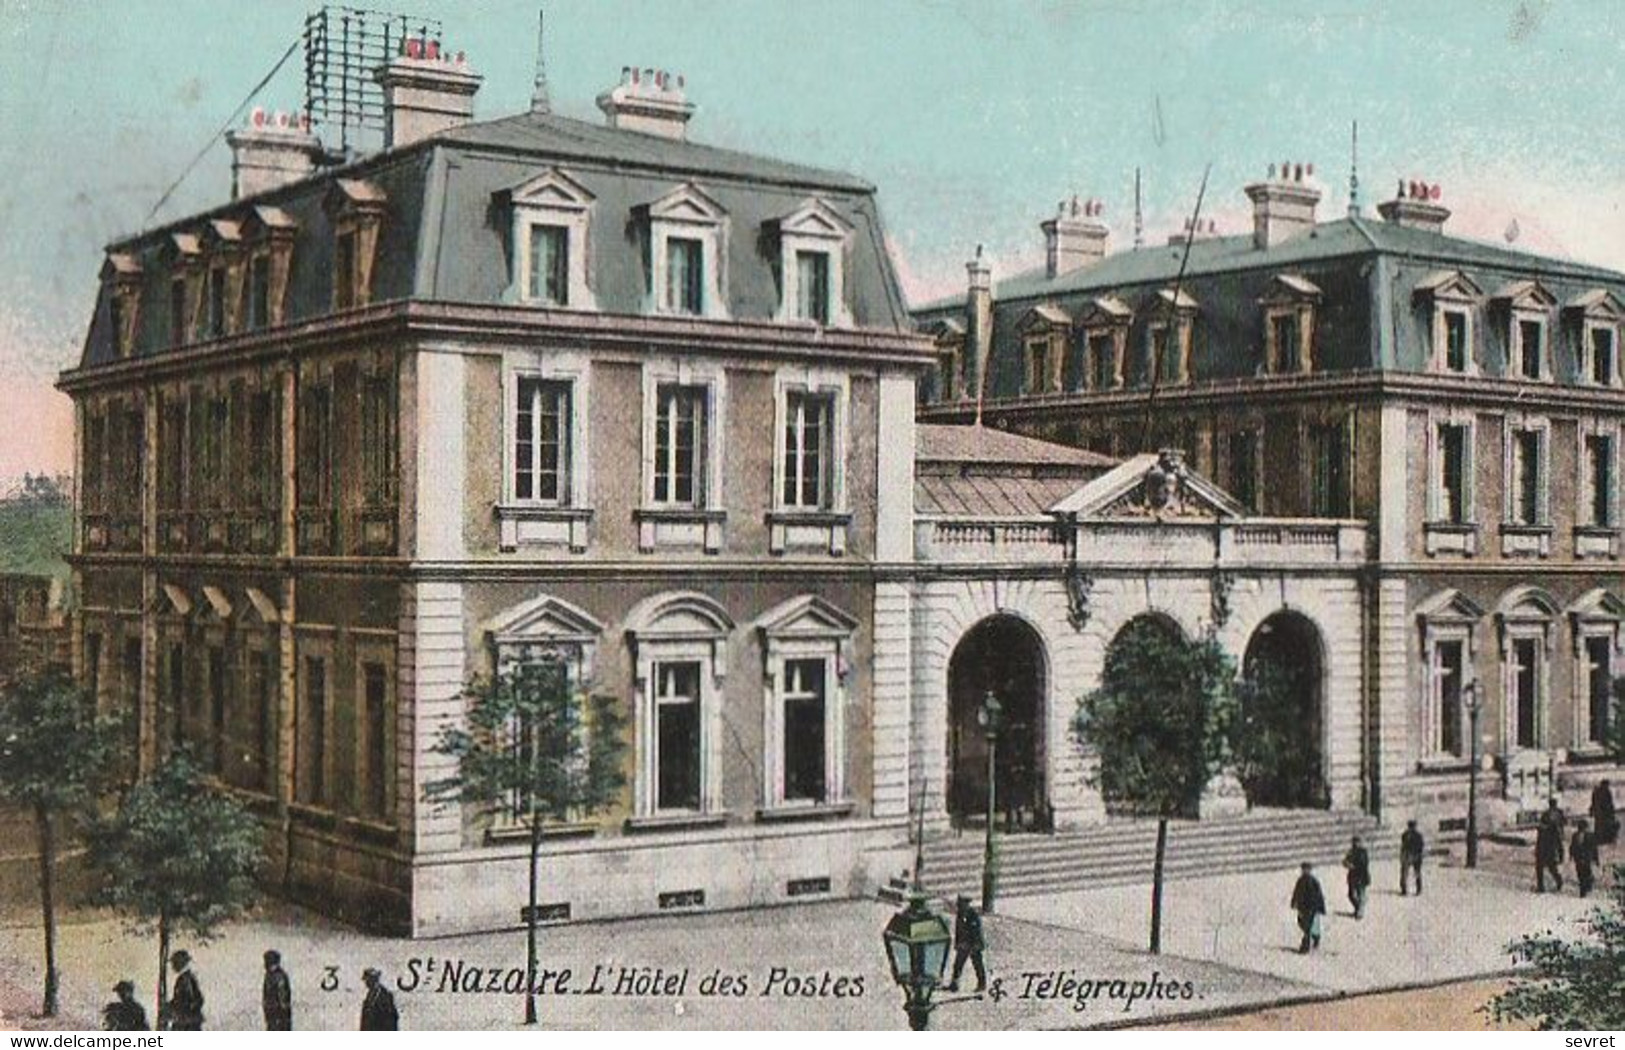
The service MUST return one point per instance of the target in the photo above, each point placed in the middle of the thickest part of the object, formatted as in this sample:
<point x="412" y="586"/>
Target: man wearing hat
<point x="124" y="1014"/>
<point x="276" y="997"/>
<point x="378" y="1008"/>
<point x="968" y="944"/>
<point x="185" y="1012"/>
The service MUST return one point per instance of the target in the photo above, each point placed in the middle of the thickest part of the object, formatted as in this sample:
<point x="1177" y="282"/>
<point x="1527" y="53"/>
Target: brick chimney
<point x="1074" y="238"/>
<point x="425" y="92"/>
<point x="1415" y="205"/>
<point x="978" y="323"/>
<point x="274" y="150"/>
<point x="1283" y="205"/>
<point x="650" y="101"/>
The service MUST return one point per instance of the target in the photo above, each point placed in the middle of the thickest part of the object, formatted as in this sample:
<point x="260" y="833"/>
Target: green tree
<point x="1277" y="757"/>
<point x="1614" y="738"/>
<point x="56" y="757"/>
<point x="179" y="857"/>
<point x="535" y="749"/>
<point x="1160" y="723"/>
<point x="1574" y="985"/>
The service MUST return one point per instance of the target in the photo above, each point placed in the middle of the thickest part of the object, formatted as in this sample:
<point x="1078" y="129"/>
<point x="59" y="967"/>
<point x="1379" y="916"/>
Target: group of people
<point x="1583" y="847"/>
<point x="183" y="1012"/>
<point x="1309" y="900"/>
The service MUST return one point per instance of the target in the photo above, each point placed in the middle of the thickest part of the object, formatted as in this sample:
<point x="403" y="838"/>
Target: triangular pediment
<point x="1104" y="311"/>
<point x="1043" y="317"/>
<point x="354" y="194"/>
<point x="815" y="218"/>
<point x="259" y="608"/>
<point x="553" y="188"/>
<point x="1598" y="303"/>
<point x="943" y="329"/>
<point x="1291" y="288"/>
<point x="1449" y="284"/>
<point x="1149" y="486"/>
<point x="1170" y="300"/>
<point x="172" y="600"/>
<point x="216" y="607"/>
<point x="184" y="247"/>
<point x="807" y="616"/>
<point x="1598" y="603"/>
<point x="121" y="265"/>
<point x="1449" y="606"/>
<point x="1526" y="294"/>
<point x="226" y="232"/>
<point x="1526" y="603"/>
<point x="686" y="203"/>
<point x="544" y="619"/>
<point x="680" y="614"/>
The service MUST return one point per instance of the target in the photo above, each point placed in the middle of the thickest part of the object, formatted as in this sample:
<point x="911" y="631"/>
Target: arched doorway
<point x="1004" y="655"/>
<point x="1283" y="674"/>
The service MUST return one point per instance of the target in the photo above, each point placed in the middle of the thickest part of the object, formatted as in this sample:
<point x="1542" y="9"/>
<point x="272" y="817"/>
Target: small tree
<point x="55" y="758"/>
<point x="1614" y="738"/>
<point x="1160" y="723"/>
<point x="535" y="750"/>
<point x="1576" y="985"/>
<point x="1276" y="755"/>
<point x="179" y="857"/>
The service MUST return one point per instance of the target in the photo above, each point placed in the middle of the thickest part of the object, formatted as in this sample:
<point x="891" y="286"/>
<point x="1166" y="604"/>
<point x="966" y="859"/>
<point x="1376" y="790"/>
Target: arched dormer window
<point x="268" y="236"/>
<point x="1168" y="337"/>
<point x="223" y="277"/>
<point x="949" y="335"/>
<point x="121" y="275"/>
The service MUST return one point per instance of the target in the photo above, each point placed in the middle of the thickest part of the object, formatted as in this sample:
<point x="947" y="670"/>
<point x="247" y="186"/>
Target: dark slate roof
<point x="989" y="495"/>
<point x="939" y="443"/>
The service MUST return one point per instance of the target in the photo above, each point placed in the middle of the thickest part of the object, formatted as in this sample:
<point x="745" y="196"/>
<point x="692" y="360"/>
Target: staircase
<point x="1122" y="850"/>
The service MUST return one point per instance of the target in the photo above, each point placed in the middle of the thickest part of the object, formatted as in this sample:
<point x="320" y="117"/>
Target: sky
<point x="973" y="117"/>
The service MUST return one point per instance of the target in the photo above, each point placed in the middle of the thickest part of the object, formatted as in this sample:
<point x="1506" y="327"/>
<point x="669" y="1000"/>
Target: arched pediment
<point x="807" y="616"/>
<point x="1599" y="603"/>
<point x="943" y="329"/>
<point x="680" y="614"/>
<point x="1527" y="603"/>
<point x="542" y="620"/>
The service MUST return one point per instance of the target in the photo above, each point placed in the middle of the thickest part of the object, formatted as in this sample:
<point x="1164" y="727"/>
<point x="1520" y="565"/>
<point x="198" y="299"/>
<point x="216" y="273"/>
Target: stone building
<point x="1460" y="402"/>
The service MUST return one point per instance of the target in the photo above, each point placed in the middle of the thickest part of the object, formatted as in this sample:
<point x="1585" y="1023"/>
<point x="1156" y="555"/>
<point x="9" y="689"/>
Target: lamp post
<point x="989" y="717"/>
<point x="917" y="940"/>
<point x="1473" y="708"/>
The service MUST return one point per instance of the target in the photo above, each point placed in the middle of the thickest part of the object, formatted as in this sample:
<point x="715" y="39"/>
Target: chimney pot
<point x="1075" y="237"/>
<point x="647" y="100"/>
<point x="421" y="100"/>
<point x="1414" y="207"/>
<point x="1284" y="208"/>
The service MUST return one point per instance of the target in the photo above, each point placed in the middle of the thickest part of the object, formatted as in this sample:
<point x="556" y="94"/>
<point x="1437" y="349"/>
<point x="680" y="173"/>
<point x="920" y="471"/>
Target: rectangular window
<point x="1243" y="480"/>
<point x="179" y="333"/>
<point x="1163" y="366"/>
<point x="94" y="451"/>
<point x="175" y="694"/>
<point x="1531" y="348"/>
<point x="677" y="731"/>
<point x="259" y="292"/>
<point x="1453" y="472"/>
<point x="215" y="451"/>
<point x="679" y="467"/>
<point x="808" y="420"/>
<point x="541" y="451"/>
<point x="344" y="271"/>
<point x="1599" y="480"/>
<point x="315" y="446"/>
<point x="812" y="286"/>
<point x="1602" y="356"/>
<point x="1526" y="479"/>
<point x="264" y="449"/>
<point x="377" y="440"/>
<point x="1037" y="365"/>
<point x="375" y="737"/>
<point x="261" y="772"/>
<point x="311" y="755"/>
<point x="549" y="279"/>
<point x="1449" y="666"/>
<point x="1288" y="353"/>
<point x="115" y="323"/>
<point x="1329" y="478"/>
<point x="685" y="275"/>
<point x="1599" y="654"/>
<point x="1103" y="360"/>
<point x="1455" y="341"/>
<point x="804" y="742"/>
<point x="217" y="710"/>
<point x="1525" y="689"/>
<point x="217" y="302"/>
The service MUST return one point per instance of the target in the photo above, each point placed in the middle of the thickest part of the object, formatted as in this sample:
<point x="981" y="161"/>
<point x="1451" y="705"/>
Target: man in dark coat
<point x="1358" y="862"/>
<point x="1583" y="851"/>
<point x="968" y="944"/>
<point x="1603" y="817"/>
<point x="1411" y="849"/>
<point x="124" y="1014"/>
<point x="276" y="995"/>
<point x="1309" y="901"/>
<point x="1548" y="852"/>
<point x="185" y="1012"/>
<point x="378" y="1008"/>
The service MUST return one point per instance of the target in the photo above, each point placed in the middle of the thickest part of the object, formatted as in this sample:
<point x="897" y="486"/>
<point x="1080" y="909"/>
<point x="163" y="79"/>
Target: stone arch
<point x="1004" y="654"/>
<point x="1283" y="700"/>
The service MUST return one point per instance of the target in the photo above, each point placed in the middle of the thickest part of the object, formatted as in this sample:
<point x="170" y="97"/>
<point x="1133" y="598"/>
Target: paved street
<point x="1230" y="937"/>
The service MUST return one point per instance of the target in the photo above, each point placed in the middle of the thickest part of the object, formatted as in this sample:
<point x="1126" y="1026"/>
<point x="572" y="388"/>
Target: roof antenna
<point x="539" y="101"/>
<point x="982" y="363"/>
<point x="1354" y="172"/>
<point x="1139" y="221"/>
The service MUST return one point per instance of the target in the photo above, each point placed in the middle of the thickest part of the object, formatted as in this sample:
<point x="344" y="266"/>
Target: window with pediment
<point x="356" y="207"/>
<point x="949" y="335"/>
<point x="1451" y="301"/>
<point x="1103" y="328"/>
<point x="223" y="277"/>
<point x="1595" y="625"/>
<point x="184" y="253"/>
<point x="1528" y="307"/>
<point x="268" y="238"/>
<point x="806" y="646"/>
<point x="1168" y="338"/>
<point x="686" y="242"/>
<point x="1593" y="319"/>
<point x="813" y="241"/>
<point x="121" y="275"/>
<point x="551" y="226"/>
<point x="1289" y="309"/>
<point x="1525" y="620"/>
<point x="1448" y="622"/>
<point x="1043" y="332"/>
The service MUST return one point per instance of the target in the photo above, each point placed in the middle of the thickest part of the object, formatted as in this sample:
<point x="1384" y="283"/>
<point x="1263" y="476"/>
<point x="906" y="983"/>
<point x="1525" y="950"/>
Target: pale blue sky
<point x="973" y="118"/>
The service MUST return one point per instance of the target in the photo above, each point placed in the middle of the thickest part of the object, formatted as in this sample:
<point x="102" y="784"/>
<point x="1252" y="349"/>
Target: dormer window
<point x="1531" y="355"/>
<point x="1168" y="338"/>
<point x="1593" y="318"/>
<point x="357" y="207"/>
<point x="1601" y="364"/>
<point x="949" y="335"/>
<point x="552" y="218"/>
<point x="185" y="253"/>
<point x="122" y="276"/>
<point x="268" y="234"/>
<point x="1451" y="300"/>
<point x="1044" y="330"/>
<point x="1289" y="324"/>
<point x="344" y="271"/>
<point x="259" y="291"/>
<point x="1529" y="310"/>
<point x="813" y="243"/>
<point x="1105" y="325"/>
<point x="217" y="300"/>
<point x="687" y="234"/>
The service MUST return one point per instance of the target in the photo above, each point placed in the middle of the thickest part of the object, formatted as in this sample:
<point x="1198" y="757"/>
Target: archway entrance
<point x="1006" y="656"/>
<point x="1281" y="705"/>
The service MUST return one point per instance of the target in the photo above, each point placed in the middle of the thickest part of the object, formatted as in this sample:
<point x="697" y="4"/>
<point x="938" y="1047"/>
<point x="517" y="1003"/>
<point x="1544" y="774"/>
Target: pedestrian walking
<point x="1358" y="862"/>
<point x="1583" y="851"/>
<point x="1554" y="813"/>
<point x="968" y="944"/>
<point x="185" y="1011"/>
<point x="124" y="1014"/>
<point x="378" y="1012"/>
<point x="276" y="995"/>
<point x="1548" y="852"/>
<point x="1309" y="901"/>
<point x="1604" y="820"/>
<point x="1411" y="848"/>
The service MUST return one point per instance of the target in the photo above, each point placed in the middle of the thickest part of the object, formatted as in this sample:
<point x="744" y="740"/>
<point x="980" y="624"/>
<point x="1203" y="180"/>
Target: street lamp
<point x="917" y="940"/>
<point x="990" y="717"/>
<point x="1474" y="705"/>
